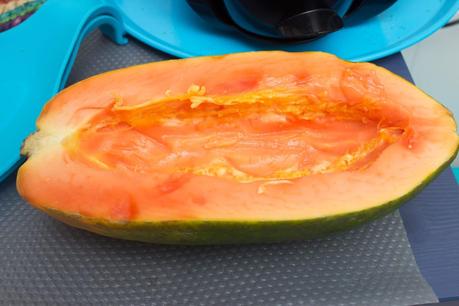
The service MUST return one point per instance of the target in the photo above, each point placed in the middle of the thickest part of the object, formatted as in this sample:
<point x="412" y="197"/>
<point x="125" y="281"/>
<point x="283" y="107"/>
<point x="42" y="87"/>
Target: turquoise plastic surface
<point x="35" y="60"/>
<point x="174" y="28"/>
<point x="456" y="174"/>
<point x="36" y="56"/>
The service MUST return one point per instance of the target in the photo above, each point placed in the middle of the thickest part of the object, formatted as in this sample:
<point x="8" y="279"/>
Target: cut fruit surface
<point x="250" y="147"/>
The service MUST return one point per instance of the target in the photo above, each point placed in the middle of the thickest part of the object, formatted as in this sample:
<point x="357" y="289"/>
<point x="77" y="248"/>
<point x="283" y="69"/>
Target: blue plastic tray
<point x="171" y="26"/>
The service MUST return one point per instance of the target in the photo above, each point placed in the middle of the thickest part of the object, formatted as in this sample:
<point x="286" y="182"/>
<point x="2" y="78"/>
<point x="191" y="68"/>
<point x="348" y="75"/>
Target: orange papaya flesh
<point x="250" y="147"/>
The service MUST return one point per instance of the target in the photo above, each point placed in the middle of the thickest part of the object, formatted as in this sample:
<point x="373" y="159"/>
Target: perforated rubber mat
<point x="43" y="261"/>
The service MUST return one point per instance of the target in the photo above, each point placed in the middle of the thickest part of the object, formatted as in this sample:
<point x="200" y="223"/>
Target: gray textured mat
<point x="45" y="262"/>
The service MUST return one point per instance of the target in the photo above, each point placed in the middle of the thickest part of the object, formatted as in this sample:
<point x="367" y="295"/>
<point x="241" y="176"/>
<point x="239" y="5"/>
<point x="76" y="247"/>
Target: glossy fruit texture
<point x="250" y="147"/>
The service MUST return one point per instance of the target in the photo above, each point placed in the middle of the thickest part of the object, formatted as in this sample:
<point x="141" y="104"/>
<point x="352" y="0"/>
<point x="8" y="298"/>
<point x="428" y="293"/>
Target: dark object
<point x="288" y="20"/>
<point x="451" y="23"/>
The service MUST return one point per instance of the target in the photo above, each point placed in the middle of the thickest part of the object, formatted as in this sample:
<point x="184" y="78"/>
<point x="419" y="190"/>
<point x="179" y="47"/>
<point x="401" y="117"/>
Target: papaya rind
<point x="214" y="232"/>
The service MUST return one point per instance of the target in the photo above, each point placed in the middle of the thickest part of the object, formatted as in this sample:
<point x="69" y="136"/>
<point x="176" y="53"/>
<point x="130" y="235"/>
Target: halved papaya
<point x="250" y="147"/>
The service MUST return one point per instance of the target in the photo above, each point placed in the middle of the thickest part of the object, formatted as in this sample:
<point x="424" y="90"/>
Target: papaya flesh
<point x="242" y="148"/>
